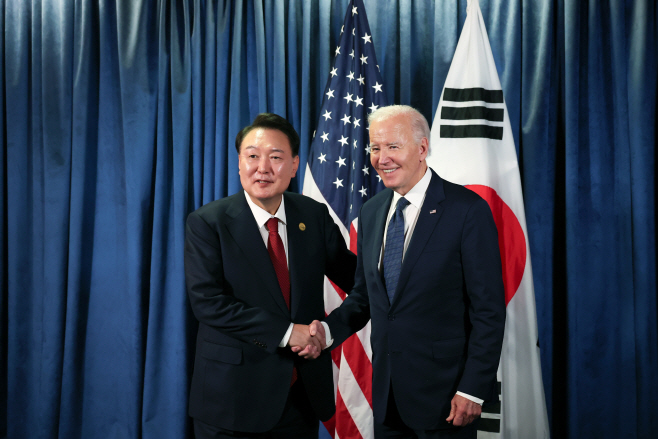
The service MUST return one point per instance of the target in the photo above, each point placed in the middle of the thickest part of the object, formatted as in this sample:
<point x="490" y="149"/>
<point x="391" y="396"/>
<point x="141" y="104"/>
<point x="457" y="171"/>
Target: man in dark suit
<point x="429" y="276"/>
<point x="254" y="266"/>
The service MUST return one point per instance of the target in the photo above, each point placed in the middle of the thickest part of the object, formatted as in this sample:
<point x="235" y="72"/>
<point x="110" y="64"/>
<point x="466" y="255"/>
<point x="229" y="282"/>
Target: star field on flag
<point x="354" y="90"/>
<point x="339" y="174"/>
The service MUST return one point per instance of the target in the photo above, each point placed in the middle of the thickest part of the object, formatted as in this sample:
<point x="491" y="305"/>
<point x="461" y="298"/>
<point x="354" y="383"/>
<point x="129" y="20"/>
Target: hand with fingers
<point x="304" y="343"/>
<point x="463" y="411"/>
<point x="317" y="343"/>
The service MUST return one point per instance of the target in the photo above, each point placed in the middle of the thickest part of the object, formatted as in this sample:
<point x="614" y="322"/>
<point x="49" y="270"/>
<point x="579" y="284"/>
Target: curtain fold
<point x="539" y="166"/>
<point x="642" y="117"/>
<point x="118" y="118"/>
<point x="3" y="240"/>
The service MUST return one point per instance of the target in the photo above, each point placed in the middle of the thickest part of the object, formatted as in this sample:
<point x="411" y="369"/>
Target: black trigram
<point x="474" y="112"/>
<point x="490" y="420"/>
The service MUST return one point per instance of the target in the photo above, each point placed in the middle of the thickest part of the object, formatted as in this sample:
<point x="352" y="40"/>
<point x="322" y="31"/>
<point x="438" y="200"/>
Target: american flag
<point x="339" y="174"/>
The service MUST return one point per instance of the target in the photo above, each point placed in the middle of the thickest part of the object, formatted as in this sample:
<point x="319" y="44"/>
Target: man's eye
<point x="253" y="156"/>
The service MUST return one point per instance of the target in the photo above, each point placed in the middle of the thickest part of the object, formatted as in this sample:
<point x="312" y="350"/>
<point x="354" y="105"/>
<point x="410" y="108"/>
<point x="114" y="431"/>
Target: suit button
<point x="391" y="317"/>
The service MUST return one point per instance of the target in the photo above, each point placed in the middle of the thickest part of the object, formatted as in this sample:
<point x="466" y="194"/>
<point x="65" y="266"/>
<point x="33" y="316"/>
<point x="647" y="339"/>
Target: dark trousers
<point x="298" y="421"/>
<point x="395" y="428"/>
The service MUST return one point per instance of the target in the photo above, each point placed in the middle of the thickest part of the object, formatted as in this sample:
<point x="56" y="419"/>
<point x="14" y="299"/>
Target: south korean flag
<point x="472" y="145"/>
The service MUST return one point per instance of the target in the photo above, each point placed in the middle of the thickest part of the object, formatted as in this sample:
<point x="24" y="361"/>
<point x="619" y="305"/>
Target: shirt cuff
<point x="286" y="337"/>
<point x="328" y="338"/>
<point x="472" y="398"/>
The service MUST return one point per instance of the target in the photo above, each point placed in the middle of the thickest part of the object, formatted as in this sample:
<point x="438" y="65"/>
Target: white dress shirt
<point x="262" y="216"/>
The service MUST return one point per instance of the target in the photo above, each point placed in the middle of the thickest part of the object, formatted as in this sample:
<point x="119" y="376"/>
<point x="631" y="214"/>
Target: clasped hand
<point x="308" y="341"/>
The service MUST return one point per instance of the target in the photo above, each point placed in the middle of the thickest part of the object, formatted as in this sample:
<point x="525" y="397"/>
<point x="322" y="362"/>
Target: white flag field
<point x="472" y="145"/>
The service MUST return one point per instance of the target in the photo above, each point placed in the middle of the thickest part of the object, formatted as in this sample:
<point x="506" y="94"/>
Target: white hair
<point x="419" y="124"/>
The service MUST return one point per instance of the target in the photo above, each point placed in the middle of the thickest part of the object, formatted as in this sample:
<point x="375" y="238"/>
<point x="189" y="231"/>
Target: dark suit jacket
<point x="444" y="330"/>
<point x="241" y="377"/>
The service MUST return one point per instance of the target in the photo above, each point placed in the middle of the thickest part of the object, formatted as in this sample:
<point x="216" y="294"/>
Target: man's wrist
<point x="286" y="337"/>
<point x="470" y="397"/>
<point x="328" y="338"/>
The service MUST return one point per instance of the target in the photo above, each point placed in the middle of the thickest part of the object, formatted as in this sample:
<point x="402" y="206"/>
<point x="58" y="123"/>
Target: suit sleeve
<point x="486" y="300"/>
<point x="354" y="313"/>
<point x="212" y="304"/>
<point x="340" y="262"/>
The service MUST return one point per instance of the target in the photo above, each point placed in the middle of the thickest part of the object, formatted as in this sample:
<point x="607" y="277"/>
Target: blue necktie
<point x="394" y="248"/>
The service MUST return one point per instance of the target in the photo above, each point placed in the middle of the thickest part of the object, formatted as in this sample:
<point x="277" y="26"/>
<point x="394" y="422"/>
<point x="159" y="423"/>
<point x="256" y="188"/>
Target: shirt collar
<point x="417" y="193"/>
<point x="261" y="215"/>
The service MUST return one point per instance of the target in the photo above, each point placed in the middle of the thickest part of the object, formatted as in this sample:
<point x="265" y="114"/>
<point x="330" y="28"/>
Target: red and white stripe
<point x="352" y="361"/>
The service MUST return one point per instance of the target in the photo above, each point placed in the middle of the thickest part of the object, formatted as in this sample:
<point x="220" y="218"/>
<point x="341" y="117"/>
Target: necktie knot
<point x="273" y="225"/>
<point x="402" y="203"/>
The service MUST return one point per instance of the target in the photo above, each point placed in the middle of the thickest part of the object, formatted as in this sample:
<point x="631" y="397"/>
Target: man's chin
<point x="265" y="197"/>
<point x="260" y="196"/>
<point x="389" y="182"/>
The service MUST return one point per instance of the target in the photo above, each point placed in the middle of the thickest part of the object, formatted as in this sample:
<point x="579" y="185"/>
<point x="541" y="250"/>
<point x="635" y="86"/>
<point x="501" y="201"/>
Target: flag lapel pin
<point x="432" y="211"/>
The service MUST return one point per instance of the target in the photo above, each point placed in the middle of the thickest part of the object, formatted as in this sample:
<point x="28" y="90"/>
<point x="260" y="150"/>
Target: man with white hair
<point x="429" y="276"/>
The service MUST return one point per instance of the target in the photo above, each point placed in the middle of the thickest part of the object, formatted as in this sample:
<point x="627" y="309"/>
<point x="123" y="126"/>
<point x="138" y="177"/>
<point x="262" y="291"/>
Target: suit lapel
<point x="296" y="253"/>
<point x="428" y="218"/>
<point x="378" y="239"/>
<point x="244" y="230"/>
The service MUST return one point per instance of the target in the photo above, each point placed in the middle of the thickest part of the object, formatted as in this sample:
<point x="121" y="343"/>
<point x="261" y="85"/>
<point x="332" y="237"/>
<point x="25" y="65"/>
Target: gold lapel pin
<point x="302" y="226"/>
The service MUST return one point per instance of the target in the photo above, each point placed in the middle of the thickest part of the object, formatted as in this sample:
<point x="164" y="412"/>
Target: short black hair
<point x="273" y="122"/>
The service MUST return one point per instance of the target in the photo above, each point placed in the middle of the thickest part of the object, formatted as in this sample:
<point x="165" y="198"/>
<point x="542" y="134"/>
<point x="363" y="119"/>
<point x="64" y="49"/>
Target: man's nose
<point x="264" y="165"/>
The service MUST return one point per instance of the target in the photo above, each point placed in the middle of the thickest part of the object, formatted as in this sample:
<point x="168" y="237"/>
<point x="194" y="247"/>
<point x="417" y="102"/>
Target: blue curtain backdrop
<point x="119" y="117"/>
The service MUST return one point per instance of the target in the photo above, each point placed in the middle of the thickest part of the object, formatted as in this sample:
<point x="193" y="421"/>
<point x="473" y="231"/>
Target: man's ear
<point x="295" y="165"/>
<point x="424" y="148"/>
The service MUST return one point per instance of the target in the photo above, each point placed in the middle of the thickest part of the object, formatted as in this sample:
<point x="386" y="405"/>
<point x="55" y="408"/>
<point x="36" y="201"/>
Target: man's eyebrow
<point x="385" y="144"/>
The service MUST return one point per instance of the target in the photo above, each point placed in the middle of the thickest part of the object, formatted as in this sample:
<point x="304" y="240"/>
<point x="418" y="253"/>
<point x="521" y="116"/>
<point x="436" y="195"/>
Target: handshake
<point x="308" y="341"/>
